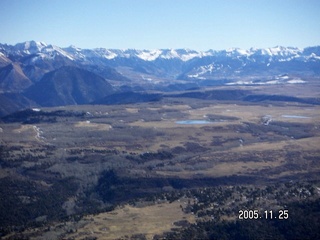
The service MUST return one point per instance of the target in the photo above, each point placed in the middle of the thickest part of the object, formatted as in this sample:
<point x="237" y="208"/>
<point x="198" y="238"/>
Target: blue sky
<point x="150" y="24"/>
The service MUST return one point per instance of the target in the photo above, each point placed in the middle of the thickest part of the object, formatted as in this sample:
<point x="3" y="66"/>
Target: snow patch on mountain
<point x="200" y="71"/>
<point x="54" y="50"/>
<point x="294" y="81"/>
<point x="29" y="47"/>
<point x="105" y="53"/>
<point x="149" y="55"/>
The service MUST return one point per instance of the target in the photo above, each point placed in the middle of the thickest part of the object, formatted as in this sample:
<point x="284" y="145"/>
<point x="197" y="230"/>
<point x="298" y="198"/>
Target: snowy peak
<point x="56" y="51"/>
<point x="284" y="51"/>
<point x="30" y="47"/>
<point x="182" y="54"/>
<point x="237" y="52"/>
<point x="149" y="55"/>
<point x="277" y="51"/>
<point x="40" y="49"/>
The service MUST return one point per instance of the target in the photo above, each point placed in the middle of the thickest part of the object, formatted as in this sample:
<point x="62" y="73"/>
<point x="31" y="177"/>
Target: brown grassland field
<point x="250" y="144"/>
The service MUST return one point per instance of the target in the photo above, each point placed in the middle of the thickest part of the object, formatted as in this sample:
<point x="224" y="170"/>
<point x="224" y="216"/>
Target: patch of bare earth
<point x="128" y="221"/>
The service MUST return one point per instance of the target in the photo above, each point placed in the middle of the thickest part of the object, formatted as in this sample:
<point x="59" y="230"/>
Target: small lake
<point x="294" y="116"/>
<point x="193" y="122"/>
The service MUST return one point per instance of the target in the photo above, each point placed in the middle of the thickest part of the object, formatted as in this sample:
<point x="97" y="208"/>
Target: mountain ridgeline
<point x="49" y="75"/>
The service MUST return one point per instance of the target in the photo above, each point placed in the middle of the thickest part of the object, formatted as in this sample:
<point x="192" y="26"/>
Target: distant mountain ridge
<point x="90" y="75"/>
<point x="37" y="58"/>
<point x="73" y="53"/>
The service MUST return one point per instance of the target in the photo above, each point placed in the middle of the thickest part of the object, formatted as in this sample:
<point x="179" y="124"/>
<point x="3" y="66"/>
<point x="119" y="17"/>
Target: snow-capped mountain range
<point x="73" y="53"/>
<point x="39" y="74"/>
<point x="232" y="66"/>
<point x="33" y="47"/>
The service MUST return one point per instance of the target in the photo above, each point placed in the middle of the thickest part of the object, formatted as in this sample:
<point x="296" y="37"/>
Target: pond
<point x="294" y="116"/>
<point x="194" y="122"/>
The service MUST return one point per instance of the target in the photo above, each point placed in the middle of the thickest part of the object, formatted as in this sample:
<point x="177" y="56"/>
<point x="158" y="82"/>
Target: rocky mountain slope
<point x="68" y="86"/>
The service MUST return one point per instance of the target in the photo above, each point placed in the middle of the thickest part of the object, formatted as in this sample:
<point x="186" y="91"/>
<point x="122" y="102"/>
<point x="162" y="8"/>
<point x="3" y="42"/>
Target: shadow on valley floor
<point x="113" y="188"/>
